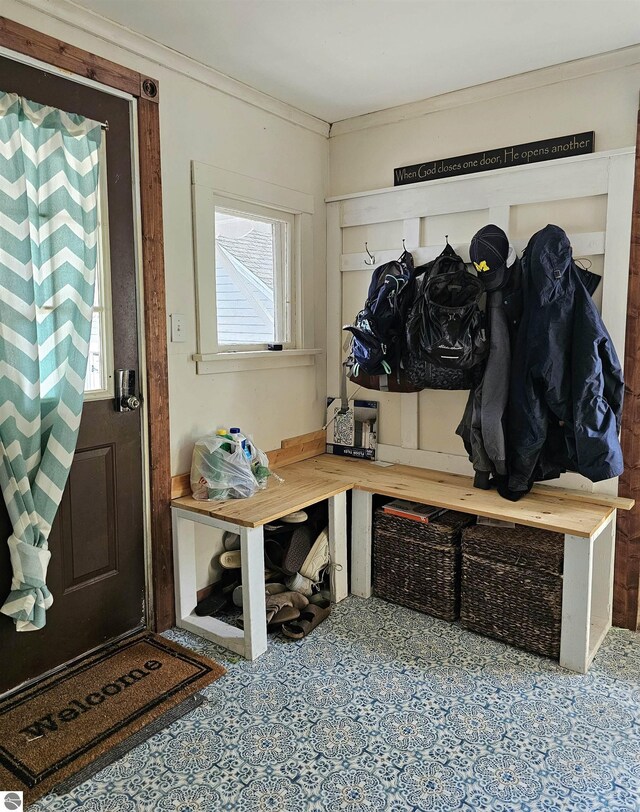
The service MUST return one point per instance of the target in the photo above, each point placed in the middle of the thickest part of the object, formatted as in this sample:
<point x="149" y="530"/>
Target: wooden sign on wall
<point x="517" y="155"/>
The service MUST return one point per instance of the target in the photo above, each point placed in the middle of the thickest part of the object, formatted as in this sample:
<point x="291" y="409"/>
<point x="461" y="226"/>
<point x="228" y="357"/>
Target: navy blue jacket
<point x="566" y="384"/>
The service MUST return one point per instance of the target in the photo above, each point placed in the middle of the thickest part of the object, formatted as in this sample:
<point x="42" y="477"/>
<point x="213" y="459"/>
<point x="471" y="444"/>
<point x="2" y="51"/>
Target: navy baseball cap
<point x="489" y="250"/>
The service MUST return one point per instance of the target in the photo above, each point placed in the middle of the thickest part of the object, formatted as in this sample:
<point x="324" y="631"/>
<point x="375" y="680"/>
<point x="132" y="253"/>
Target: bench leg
<point x="253" y="592"/>
<point x="361" y="541"/>
<point x="184" y="565"/>
<point x="338" y="546"/>
<point x="604" y="550"/>
<point x="587" y="596"/>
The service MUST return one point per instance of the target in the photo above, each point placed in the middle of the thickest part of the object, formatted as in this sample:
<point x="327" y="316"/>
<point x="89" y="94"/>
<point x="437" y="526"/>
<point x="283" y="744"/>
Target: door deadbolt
<point x="126" y="399"/>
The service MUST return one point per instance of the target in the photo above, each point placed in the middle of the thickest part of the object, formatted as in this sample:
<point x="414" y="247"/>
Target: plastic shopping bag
<point x="220" y="469"/>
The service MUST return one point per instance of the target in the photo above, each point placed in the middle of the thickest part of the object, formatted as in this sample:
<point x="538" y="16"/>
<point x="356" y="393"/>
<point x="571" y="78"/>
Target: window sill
<point x="245" y="361"/>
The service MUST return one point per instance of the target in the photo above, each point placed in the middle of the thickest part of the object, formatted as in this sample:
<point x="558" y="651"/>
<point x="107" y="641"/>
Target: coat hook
<point x="446" y="237"/>
<point x="580" y="262"/>
<point x="372" y="261"/>
<point x="404" y="247"/>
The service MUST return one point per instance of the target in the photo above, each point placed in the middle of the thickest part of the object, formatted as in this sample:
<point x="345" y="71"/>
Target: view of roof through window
<point x="245" y="295"/>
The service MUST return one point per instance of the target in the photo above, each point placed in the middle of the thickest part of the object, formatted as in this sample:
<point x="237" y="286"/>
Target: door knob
<point x="125" y="386"/>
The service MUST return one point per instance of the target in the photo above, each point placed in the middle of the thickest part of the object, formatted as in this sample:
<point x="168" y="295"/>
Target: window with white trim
<point x="251" y="240"/>
<point x="253" y="279"/>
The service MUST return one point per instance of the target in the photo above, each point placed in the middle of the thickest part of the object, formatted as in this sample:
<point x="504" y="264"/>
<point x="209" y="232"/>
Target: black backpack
<point x="378" y="329"/>
<point x="445" y="325"/>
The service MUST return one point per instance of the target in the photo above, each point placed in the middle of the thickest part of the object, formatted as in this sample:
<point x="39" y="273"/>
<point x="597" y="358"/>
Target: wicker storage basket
<point x="512" y="586"/>
<point x="418" y="565"/>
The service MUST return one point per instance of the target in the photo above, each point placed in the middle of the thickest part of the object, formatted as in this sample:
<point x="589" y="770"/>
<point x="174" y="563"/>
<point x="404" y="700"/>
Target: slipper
<point x="273" y="553"/>
<point x="211" y="604"/>
<point x="310" y="617"/>
<point x="229" y="581"/>
<point x="282" y="599"/>
<point x="274" y="603"/>
<point x="295" y="550"/>
<point x="276" y="529"/>
<point x="230" y="560"/>
<point x="230" y="541"/>
<point x="220" y="593"/>
<point x="297" y="517"/>
<point x="285" y="615"/>
<point x="270" y="589"/>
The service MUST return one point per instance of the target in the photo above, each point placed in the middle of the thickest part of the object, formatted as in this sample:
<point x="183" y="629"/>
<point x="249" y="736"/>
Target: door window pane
<point x="99" y="377"/>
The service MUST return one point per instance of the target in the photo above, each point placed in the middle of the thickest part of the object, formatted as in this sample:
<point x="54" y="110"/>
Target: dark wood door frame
<point x="23" y="40"/>
<point x="626" y="597"/>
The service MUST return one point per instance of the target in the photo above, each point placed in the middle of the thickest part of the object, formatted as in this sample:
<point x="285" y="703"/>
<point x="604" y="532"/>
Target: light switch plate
<point x="177" y="328"/>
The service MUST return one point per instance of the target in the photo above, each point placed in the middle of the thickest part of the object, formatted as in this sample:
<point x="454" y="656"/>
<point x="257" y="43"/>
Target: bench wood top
<point x="298" y="491"/>
<point x="308" y="481"/>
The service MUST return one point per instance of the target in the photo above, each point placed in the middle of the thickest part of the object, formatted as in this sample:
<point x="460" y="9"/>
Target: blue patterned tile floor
<point x="384" y="709"/>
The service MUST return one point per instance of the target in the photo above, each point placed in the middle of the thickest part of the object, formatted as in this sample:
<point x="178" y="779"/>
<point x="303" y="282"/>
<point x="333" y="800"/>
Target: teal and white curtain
<point x="48" y="256"/>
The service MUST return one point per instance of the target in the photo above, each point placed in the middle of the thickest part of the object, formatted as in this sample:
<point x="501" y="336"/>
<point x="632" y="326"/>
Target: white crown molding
<point x="112" y="33"/>
<point x="600" y="63"/>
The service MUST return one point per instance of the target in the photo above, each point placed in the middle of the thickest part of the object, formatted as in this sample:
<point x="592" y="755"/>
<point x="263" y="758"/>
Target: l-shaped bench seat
<point x="587" y="521"/>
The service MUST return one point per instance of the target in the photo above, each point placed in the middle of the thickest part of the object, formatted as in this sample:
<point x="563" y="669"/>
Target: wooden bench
<point x="586" y="520"/>
<point x="247" y="517"/>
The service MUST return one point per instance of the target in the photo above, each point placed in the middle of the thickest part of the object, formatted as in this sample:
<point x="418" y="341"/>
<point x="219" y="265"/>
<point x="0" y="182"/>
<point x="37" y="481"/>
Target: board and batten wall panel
<point x="439" y="412"/>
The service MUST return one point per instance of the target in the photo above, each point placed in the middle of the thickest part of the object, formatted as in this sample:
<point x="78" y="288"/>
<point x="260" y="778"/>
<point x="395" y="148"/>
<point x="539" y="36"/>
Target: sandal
<point x="310" y="617"/>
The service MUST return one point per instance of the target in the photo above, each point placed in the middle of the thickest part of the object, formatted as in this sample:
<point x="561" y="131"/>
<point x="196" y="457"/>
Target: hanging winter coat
<point x="483" y="427"/>
<point x="566" y="384"/>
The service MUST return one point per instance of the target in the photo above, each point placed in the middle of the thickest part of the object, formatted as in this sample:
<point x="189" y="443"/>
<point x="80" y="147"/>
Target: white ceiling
<point x="341" y="58"/>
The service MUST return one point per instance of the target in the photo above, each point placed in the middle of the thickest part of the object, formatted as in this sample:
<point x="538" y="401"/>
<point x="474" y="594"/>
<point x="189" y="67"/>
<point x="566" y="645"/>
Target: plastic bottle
<point x="239" y="437"/>
<point x="224" y="433"/>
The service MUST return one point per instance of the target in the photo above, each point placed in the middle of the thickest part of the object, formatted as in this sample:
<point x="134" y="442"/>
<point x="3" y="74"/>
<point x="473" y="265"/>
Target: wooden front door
<point x="96" y="573"/>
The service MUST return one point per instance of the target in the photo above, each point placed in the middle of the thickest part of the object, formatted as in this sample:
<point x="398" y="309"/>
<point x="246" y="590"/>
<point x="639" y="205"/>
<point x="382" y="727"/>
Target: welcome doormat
<point x="58" y="726"/>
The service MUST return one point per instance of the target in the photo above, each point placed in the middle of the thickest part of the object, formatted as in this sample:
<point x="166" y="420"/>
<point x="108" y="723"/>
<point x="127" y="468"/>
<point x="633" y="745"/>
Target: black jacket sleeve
<point x="597" y="398"/>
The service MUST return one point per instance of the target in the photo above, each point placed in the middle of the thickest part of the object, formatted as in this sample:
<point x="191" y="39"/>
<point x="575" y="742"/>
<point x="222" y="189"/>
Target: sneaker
<point x="317" y="559"/>
<point x="297" y="583"/>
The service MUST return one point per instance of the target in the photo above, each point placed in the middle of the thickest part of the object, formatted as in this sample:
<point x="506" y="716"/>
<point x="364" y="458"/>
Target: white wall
<point x="198" y="122"/>
<point x="606" y="102"/>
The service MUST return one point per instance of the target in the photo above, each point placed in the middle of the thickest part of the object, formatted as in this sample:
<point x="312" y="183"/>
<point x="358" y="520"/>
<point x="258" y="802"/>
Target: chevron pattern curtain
<point x="48" y="255"/>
